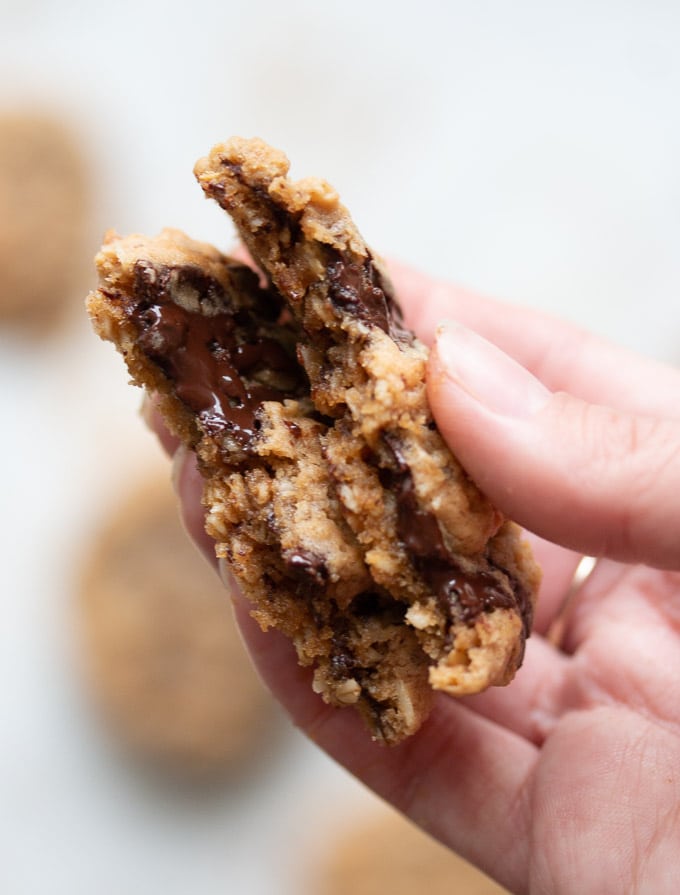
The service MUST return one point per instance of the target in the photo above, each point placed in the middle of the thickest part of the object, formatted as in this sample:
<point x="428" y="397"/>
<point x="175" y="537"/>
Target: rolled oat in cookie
<point x="328" y="490"/>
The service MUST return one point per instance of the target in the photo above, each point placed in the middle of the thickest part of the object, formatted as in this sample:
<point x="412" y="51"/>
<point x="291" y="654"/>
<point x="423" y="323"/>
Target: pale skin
<point x="568" y="780"/>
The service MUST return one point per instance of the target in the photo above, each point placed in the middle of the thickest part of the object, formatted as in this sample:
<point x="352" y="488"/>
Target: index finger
<point x="563" y="356"/>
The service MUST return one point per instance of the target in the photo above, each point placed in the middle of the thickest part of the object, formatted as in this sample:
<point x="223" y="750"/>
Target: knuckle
<point x="630" y="465"/>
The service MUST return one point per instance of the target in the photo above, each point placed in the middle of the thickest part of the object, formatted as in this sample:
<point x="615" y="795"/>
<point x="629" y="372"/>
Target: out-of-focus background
<point x="527" y="150"/>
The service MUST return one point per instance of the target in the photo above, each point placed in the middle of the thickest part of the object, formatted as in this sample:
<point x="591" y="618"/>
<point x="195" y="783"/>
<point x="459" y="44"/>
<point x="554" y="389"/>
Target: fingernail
<point x="226" y="575"/>
<point x="486" y="373"/>
<point x="146" y="410"/>
<point x="178" y="461"/>
<point x="230" y="583"/>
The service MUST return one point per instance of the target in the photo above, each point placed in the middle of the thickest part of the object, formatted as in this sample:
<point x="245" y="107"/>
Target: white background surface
<point x="529" y="150"/>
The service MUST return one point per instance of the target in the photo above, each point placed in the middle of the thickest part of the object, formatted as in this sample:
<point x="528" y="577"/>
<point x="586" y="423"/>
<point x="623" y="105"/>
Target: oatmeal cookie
<point x="164" y="657"/>
<point x="329" y="491"/>
<point x="44" y="196"/>
<point x="382" y="852"/>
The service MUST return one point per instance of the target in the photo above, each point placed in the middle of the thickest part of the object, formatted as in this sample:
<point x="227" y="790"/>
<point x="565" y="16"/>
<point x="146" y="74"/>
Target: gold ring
<point x="583" y="571"/>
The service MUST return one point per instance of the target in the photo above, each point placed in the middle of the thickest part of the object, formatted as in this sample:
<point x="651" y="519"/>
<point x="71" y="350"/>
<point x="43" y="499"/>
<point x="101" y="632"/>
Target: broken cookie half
<point x="329" y="492"/>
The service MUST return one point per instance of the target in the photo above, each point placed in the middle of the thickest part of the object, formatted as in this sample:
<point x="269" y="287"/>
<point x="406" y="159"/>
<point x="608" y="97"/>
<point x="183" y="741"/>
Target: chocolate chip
<point x="360" y="290"/>
<point x="209" y="363"/>
<point x="307" y="567"/>
<point x="462" y="595"/>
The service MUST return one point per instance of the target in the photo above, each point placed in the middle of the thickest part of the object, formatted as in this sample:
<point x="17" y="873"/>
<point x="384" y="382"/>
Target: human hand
<point x="567" y="781"/>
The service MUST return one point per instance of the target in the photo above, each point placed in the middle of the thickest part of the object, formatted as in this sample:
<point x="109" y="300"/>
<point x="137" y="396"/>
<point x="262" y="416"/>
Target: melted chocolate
<point x="523" y="599"/>
<point x="307" y="567"/>
<point x="417" y="528"/>
<point x="465" y="596"/>
<point x="362" y="291"/>
<point x="462" y="595"/>
<point x="208" y="357"/>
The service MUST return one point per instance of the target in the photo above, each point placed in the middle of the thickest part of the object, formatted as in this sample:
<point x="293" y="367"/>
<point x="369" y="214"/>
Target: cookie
<point x="43" y="215"/>
<point x="383" y="852"/>
<point x="163" y="653"/>
<point x="328" y="489"/>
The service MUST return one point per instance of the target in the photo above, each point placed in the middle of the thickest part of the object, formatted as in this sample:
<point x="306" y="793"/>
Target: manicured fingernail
<point x="485" y="373"/>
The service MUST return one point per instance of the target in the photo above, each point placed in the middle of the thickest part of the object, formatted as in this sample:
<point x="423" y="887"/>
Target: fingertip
<point x="462" y="359"/>
<point x="498" y="420"/>
<point x="585" y="476"/>
<point x="480" y="399"/>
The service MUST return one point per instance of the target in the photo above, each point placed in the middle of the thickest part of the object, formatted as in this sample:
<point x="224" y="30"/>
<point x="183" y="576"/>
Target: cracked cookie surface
<point x="328" y="490"/>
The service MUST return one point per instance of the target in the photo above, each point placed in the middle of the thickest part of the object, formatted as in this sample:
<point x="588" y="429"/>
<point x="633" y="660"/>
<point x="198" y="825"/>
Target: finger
<point x="461" y="777"/>
<point x="188" y="484"/>
<point x="596" y="480"/>
<point x="563" y="356"/>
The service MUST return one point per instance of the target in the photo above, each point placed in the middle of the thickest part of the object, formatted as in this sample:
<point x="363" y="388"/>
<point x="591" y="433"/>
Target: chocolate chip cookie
<point x="328" y="489"/>
<point x="163" y="655"/>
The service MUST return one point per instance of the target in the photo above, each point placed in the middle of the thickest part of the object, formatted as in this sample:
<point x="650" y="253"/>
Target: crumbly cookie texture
<point x="328" y="490"/>
<point x="162" y="652"/>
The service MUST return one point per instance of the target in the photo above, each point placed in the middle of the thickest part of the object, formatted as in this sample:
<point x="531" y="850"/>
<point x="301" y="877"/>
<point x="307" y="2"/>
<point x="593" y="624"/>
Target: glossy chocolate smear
<point x="463" y="596"/>
<point x="209" y="354"/>
<point x="523" y="599"/>
<point x="361" y="290"/>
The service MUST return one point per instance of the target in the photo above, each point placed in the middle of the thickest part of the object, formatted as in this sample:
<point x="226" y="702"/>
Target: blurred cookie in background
<point x="381" y="853"/>
<point x="44" y="209"/>
<point x="162" y="650"/>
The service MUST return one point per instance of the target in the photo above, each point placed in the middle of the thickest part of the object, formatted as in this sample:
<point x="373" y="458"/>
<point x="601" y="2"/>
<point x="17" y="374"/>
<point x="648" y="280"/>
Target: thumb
<point x="597" y="480"/>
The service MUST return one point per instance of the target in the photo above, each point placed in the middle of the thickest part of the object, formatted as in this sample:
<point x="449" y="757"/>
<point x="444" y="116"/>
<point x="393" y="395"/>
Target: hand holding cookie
<point x="330" y="495"/>
<point x="566" y="781"/>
